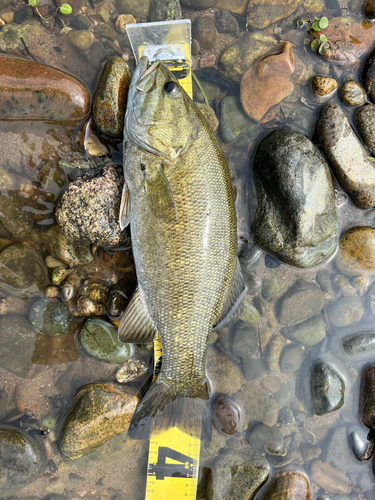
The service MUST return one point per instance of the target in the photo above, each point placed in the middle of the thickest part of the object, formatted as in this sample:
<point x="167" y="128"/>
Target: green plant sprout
<point x="320" y="44"/>
<point x="65" y="9"/>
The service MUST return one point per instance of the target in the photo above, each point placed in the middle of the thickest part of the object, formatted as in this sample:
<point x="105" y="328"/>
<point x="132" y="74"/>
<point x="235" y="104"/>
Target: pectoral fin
<point x="124" y="216"/>
<point x="159" y="195"/>
<point x="136" y="325"/>
<point x="235" y="296"/>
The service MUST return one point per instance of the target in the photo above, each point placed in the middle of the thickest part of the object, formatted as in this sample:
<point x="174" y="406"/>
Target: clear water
<point x="119" y="472"/>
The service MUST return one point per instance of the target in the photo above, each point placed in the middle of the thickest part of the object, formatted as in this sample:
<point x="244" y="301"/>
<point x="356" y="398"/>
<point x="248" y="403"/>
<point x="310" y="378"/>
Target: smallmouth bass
<point x="178" y="200"/>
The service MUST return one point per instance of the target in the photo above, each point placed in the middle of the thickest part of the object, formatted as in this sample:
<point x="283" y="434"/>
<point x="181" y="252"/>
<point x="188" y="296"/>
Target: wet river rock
<point x="98" y="413"/>
<point x="76" y="253"/>
<point x="100" y="339"/>
<point x="226" y="414"/>
<point x="89" y="208"/>
<point x="50" y="317"/>
<point x="22" y="459"/>
<point x="352" y="93"/>
<point x="289" y="485"/>
<point x="33" y="91"/>
<point x="302" y="301"/>
<point x="261" y="14"/>
<point x="356" y="252"/>
<point x="368" y="76"/>
<point x="329" y="478"/>
<point x="345" y="311"/>
<point x="367" y="397"/>
<point x="370" y="9"/>
<point x="365" y="121"/>
<point x="327" y="388"/>
<point x="109" y="101"/>
<point x="323" y="87"/>
<point x="238" y="474"/>
<point x="349" y="159"/>
<point x="267" y="83"/>
<point x="23" y="272"/>
<point x="296" y="218"/>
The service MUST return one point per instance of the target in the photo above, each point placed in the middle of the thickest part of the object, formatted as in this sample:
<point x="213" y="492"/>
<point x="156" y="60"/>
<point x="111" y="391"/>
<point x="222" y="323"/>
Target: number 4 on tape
<point x="173" y="465"/>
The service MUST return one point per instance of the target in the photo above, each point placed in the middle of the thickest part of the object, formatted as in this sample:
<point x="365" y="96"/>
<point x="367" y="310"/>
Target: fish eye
<point x="171" y="87"/>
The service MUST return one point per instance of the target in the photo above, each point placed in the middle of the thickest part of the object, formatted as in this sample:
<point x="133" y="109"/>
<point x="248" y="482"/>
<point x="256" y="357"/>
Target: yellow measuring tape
<point x="173" y="457"/>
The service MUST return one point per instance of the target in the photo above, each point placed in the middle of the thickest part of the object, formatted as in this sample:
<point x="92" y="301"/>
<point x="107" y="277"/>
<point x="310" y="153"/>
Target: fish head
<point x="159" y="116"/>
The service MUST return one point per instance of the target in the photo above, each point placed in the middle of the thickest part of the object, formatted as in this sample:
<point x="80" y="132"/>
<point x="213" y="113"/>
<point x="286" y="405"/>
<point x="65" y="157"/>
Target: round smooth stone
<point x="356" y="254"/>
<point x="352" y="93"/>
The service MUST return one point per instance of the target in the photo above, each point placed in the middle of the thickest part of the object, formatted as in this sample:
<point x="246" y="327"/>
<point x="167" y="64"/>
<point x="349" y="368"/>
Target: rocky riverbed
<point x="290" y="86"/>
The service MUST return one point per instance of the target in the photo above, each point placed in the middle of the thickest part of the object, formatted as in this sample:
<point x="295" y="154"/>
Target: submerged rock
<point x="356" y="253"/>
<point x="22" y="458"/>
<point x="329" y="478"/>
<point x="66" y="249"/>
<point x="239" y="474"/>
<point x="89" y="208"/>
<point x="33" y="91"/>
<point x="368" y="76"/>
<point x="109" y="101"/>
<point x="98" y="413"/>
<point x="289" y="485"/>
<point x="226" y="414"/>
<point x="352" y="93"/>
<point x="17" y="340"/>
<point x="50" y="317"/>
<point x="296" y="218"/>
<point x="100" y="339"/>
<point x="261" y="14"/>
<point x="165" y="10"/>
<point x="327" y="388"/>
<point x="233" y="120"/>
<point x="349" y="159"/>
<point x="366" y="397"/>
<point x="302" y="301"/>
<point x="267" y="440"/>
<point x="23" y="272"/>
<point x="204" y="31"/>
<point x="345" y="311"/>
<point x="365" y="121"/>
<point x="267" y="83"/>
<point x="308" y="333"/>
<point x="370" y="9"/>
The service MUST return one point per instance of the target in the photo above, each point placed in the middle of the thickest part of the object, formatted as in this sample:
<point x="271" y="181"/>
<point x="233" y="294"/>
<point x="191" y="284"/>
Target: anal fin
<point x="235" y="295"/>
<point x="135" y="324"/>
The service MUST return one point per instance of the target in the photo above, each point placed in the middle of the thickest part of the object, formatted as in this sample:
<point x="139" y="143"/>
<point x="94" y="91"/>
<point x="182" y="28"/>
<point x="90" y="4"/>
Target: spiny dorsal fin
<point x="235" y="296"/>
<point x="135" y="324"/>
<point x="124" y="216"/>
<point x="159" y="195"/>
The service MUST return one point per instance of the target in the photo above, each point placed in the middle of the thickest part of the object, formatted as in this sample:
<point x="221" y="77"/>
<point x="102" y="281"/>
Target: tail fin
<point x="164" y="406"/>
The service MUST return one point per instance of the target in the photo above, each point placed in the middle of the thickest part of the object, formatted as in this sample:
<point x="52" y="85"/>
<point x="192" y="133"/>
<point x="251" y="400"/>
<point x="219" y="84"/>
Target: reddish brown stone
<point x="289" y="485"/>
<point x="267" y="83"/>
<point x="32" y="91"/>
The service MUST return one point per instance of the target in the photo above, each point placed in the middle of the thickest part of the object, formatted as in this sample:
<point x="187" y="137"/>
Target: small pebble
<point x="352" y="93"/>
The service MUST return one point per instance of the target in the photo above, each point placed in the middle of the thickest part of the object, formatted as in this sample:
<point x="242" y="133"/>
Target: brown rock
<point x="352" y="93"/>
<point x="267" y="83"/>
<point x="32" y="91"/>
<point x="370" y="9"/>
<point x="366" y="397"/>
<point x="356" y="254"/>
<point x="226" y="414"/>
<point x="122" y="21"/>
<point x="233" y="6"/>
<point x="289" y="485"/>
<point x="262" y="13"/>
<point x="329" y="478"/>
<point x="347" y="40"/>
<point x="323" y="86"/>
<point x="98" y="413"/>
<point x="225" y="376"/>
<point x="204" y="31"/>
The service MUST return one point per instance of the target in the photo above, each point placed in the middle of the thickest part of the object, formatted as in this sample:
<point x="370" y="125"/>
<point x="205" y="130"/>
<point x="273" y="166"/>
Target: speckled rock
<point x="366" y="397"/>
<point x="267" y="83"/>
<point x="349" y="159"/>
<point x="239" y="474"/>
<point x="91" y="299"/>
<point x="66" y="249"/>
<point x="345" y="311"/>
<point x="356" y="253"/>
<point x="261" y="13"/>
<point x="100" y="339"/>
<point x="131" y="370"/>
<point x="165" y="10"/>
<point x="122" y="21"/>
<point x="89" y="208"/>
<point x="23" y="460"/>
<point x="289" y="485"/>
<point x="235" y="59"/>
<point x="50" y="317"/>
<point x="32" y="91"/>
<point x="329" y="478"/>
<point x="308" y="333"/>
<point x="299" y="229"/>
<point x="136" y="8"/>
<point x="323" y="87"/>
<point x="109" y="101"/>
<point x="98" y="413"/>
<point x="24" y="273"/>
<point x="226" y="414"/>
<point x="303" y="300"/>
<point x="327" y="388"/>
<point x="359" y="343"/>
<point x="17" y="340"/>
<point x="15" y="214"/>
<point x="352" y="93"/>
<point x="365" y="121"/>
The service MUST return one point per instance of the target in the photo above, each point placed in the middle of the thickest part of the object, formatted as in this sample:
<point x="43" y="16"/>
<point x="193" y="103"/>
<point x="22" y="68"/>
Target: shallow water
<point x="60" y="367"/>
